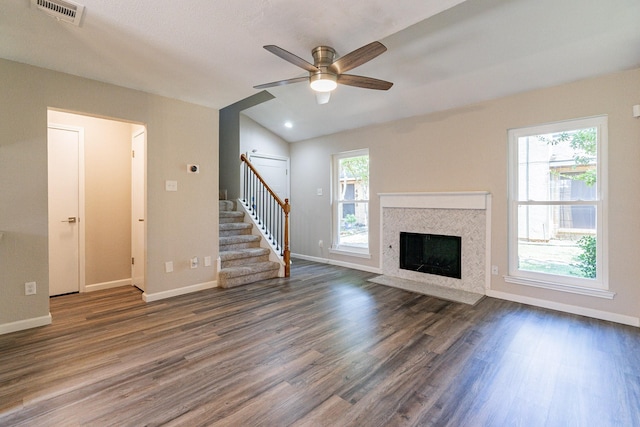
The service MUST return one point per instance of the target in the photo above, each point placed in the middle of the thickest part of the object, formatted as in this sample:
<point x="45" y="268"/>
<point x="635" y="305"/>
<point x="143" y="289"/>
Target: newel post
<point x="287" y="253"/>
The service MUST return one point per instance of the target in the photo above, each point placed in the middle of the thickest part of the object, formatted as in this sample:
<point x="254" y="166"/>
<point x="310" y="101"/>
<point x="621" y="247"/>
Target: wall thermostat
<point x="193" y="168"/>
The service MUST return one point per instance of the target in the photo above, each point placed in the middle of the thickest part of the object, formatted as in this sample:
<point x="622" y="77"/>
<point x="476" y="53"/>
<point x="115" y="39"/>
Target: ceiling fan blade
<point x="290" y="57"/>
<point x="282" y="82"/>
<point x="365" y="82"/>
<point x="357" y="57"/>
<point x="322" y="97"/>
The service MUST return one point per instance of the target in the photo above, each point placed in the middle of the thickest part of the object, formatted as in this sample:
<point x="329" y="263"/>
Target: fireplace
<point x="463" y="214"/>
<point x="431" y="253"/>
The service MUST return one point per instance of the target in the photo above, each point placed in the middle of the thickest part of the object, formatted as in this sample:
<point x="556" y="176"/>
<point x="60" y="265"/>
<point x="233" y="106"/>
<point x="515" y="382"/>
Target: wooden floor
<point x="324" y="348"/>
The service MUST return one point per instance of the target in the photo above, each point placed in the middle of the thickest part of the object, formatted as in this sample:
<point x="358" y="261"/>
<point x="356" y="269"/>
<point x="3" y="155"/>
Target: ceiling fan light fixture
<point x="323" y="82"/>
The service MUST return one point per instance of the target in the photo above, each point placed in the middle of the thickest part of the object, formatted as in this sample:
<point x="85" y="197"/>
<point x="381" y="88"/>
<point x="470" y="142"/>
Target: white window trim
<point x="598" y="287"/>
<point x="342" y="249"/>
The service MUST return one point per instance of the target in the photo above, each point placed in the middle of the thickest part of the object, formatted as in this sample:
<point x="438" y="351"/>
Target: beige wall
<point x="107" y="164"/>
<point x="180" y="224"/>
<point x="255" y="137"/>
<point x="466" y="149"/>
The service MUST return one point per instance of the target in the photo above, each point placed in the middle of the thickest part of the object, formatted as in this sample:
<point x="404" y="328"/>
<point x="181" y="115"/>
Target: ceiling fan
<point x="326" y="72"/>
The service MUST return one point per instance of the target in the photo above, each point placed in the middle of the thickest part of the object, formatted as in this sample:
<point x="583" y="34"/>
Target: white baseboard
<point x="366" y="268"/>
<point x="20" y="325"/>
<point x="582" y="311"/>
<point x="147" y="297"/>
<point x="107" y="285"/>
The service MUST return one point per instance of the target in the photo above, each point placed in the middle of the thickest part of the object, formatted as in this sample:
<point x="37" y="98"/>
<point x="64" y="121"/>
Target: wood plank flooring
<point x="323" y="348"/>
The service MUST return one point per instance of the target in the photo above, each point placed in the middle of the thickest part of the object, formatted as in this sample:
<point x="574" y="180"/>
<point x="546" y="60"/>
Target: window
<point x="351" y="202"/>
<point x="557" y="209"/>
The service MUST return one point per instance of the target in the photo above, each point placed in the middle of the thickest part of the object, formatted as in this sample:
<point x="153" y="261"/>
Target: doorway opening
<point x="97" y="208"/>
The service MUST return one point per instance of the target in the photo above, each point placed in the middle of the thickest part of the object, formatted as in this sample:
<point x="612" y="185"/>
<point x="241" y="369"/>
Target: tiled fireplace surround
<point x="464" y="214"/>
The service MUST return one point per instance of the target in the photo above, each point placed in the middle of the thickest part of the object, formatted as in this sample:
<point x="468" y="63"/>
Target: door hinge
<point x="133" y="261"/>
<point x="133" y="154"/>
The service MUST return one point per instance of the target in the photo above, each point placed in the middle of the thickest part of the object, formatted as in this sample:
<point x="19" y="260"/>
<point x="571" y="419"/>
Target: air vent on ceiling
<point x="62" y="10"/>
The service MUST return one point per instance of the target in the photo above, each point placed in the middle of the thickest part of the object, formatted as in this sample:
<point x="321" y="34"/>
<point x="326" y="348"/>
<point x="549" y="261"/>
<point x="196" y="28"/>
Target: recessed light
<point x="288" y="125"/>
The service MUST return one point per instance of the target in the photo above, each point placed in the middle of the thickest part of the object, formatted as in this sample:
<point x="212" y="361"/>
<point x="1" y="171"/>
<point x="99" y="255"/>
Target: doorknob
<point x="70" y="219"/>
<point x="141" y="219"/>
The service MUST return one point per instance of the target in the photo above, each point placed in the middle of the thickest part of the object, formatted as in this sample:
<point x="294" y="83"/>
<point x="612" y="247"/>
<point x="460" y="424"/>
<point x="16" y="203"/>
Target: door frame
<point x="81" y="201"/>
<point x="134" y="219"/>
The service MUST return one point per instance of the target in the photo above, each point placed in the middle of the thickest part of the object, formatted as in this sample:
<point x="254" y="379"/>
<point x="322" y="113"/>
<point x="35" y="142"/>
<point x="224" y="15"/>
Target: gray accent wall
<point x="229" y="148"/>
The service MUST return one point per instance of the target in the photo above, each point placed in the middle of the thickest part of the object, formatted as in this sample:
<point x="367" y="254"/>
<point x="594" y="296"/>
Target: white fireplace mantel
<point x="445" y="200"/>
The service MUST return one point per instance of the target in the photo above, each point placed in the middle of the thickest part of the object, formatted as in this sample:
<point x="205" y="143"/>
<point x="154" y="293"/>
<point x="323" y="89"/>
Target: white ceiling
<point x="441" y="53"/>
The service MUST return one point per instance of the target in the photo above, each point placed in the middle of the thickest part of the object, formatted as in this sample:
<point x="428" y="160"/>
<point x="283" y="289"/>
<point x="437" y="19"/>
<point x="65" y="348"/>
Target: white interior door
<point x="275" y="171"/>
<point x="64" y="185"/>
<point x="138" y="258"/>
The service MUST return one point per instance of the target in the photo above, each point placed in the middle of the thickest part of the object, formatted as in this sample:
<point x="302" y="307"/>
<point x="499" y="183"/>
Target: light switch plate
<point x="171" y="185"/>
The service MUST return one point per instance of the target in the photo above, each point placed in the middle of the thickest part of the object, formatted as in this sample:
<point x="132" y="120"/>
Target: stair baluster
<point x="269" y="210"/>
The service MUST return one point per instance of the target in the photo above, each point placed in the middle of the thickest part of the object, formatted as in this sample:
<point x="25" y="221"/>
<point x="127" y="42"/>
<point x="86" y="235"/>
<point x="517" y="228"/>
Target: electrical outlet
<point x="194" y="262"/>
<point x="30" y="288"/>
<point x="207" y="261"/>
<point x="168" y="266"/>
<point x="320" y="243"/>
<point x="494" y="270"/>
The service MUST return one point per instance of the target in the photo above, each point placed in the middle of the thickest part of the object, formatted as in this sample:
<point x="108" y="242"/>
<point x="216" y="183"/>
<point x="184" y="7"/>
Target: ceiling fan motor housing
<point x="323" y="56"/>
<point x="323" y="80"/>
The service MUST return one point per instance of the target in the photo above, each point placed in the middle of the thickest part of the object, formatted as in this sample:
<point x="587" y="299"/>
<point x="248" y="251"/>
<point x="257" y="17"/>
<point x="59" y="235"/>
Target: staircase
<point x="242" y="260"/>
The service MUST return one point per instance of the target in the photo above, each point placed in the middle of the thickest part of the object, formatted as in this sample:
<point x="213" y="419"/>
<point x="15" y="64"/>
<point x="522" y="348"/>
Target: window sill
<point x="355" y="252"/>
<point x="580" y="290"/>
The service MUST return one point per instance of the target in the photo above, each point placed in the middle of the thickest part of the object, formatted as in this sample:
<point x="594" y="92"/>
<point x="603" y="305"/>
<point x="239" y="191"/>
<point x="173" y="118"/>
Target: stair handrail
<point x="284" y="205"/>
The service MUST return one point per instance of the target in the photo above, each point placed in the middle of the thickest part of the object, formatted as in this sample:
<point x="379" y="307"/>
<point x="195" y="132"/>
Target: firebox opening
<point x="431" y="253"/>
